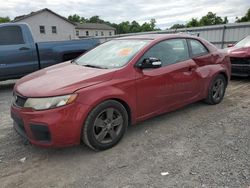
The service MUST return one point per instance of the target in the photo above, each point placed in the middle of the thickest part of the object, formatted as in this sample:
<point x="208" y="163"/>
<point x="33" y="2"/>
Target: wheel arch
<point x="126" y="106"/>
<point x="116" y="100"/>
<point x="225" y="75"/>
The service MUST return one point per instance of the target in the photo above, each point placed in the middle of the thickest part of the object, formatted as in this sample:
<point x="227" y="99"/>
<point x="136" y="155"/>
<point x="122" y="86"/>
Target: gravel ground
<point x="196" y="146"/>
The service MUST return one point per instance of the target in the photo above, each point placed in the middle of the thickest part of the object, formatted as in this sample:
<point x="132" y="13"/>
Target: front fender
<point x="94" y="95"/>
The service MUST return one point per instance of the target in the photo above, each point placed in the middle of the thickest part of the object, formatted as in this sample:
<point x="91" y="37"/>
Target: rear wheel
<point x="217" y="90"/>
<point x="105" y="125"/>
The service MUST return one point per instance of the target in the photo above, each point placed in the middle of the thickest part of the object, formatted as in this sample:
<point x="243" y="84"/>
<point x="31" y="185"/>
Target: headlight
<point x="50" y="102"/>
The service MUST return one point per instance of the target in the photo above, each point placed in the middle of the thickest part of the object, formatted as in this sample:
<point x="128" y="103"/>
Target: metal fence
<point x="219" y="35"/>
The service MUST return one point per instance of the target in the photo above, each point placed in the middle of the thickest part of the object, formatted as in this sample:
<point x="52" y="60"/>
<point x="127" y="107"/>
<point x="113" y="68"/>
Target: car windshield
<point x="244" y="43"/>
<point x="112" y="54"/>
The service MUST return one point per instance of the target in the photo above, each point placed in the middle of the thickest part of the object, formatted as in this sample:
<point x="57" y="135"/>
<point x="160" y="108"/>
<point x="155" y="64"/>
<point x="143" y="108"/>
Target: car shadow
<point x="240" y="78"/>
<point x="83" y="151"/>
<point x="7" y="85"/>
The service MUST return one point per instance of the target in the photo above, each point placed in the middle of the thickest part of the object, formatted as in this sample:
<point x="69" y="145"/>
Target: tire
<point x="217" y="90"/>
<point x="105" y="125"/>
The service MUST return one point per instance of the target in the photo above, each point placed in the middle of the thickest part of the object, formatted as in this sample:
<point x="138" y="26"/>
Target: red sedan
<point x="240" y="57"/>
<point x="121" y="82"/>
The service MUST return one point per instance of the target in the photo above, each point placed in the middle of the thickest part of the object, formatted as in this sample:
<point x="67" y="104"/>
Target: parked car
<point x="20" y="55"/>
<point x="121" y="82"/>
<point x="240" y="57"/>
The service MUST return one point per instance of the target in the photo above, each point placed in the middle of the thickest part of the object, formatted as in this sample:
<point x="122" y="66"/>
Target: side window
<point x="197" y="48"/>
<point x="77" y="32"/>
<point x="54" y="30"/>
<point x="42" y="29"/>
<point x="169" y="52"/>
<point x="11" y="35"/>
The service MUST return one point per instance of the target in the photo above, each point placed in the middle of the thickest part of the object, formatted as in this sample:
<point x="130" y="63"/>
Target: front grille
<point x="240" y="61"/>
<point x="40" y="132"/>
<point x="240" y="66"/>
<point x="19" y="101"/>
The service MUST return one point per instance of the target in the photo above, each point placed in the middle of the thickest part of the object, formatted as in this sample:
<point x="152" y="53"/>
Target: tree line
<point x="121" y="28"/>
<point x="134" y="27"/>
<point x="211" y="19"/>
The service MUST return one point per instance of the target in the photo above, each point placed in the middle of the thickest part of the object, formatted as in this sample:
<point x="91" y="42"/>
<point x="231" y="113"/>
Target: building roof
<point x="94" y="26"/>
<point x="22" y="17"/>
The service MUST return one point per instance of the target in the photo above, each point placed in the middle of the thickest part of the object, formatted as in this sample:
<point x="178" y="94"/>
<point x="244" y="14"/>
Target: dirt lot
<point x="199" y="146"/>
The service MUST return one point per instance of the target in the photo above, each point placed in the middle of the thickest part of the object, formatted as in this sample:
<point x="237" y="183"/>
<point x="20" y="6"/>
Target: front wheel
<point x="105" y="125"/>
<point x="217" y="90"/>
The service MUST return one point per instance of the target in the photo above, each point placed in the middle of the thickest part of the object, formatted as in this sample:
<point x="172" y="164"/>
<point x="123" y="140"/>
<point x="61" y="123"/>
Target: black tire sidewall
<point x="210" y="97"/>
<point x="88" y="135"/>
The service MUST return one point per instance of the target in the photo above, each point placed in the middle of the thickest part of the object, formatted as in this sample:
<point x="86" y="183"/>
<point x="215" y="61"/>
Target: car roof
<point x="156" y="36"/>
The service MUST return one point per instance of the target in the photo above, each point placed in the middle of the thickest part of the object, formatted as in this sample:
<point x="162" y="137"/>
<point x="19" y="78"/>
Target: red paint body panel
<point x="147" y="92"/>
<point x="61" y="79"/>
<point x="64" y="123"/>
<point x="243" y="52"/>
<point x="240" y="57"/>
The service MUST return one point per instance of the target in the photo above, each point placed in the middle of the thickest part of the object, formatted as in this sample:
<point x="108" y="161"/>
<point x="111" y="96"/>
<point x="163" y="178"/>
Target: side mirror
<point x="230" y="45"/>
<point x="150" y="62"/>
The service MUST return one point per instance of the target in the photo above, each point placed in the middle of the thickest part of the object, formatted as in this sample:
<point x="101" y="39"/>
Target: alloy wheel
<point x="218" y="89"/>
<point x="107" y="125"/>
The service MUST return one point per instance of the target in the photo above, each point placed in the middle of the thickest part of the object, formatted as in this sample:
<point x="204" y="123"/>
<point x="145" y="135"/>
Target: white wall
<point x="92" y="32"/>
<point x="65" y="30"/>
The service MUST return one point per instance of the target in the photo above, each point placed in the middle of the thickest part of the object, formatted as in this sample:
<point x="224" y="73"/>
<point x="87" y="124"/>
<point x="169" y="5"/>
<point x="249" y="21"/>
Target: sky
<point x="165" y="12"/>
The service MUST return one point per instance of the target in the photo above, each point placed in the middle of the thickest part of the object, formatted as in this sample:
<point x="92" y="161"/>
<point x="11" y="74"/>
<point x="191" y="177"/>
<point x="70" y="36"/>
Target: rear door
<point x="17" y="55"/>
<point x="199" y="53"/>
<point x="203" y="58"/>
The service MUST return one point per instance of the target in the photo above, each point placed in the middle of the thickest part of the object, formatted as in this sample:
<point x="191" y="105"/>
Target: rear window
<point x="11" y="35"/>
<point x="197" y="48"/>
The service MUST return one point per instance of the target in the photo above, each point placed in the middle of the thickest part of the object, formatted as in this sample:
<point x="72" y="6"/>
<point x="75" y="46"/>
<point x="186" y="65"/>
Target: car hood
<point x="241" y="52"/>
<point x="64" y="78"/>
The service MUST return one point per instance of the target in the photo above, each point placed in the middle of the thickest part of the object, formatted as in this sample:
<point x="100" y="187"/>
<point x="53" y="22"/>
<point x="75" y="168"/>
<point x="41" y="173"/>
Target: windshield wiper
<point x="73" y="61"/>
<point x="94" y="66"/>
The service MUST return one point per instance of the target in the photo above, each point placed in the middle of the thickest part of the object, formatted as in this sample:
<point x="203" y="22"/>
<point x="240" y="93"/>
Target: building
<point x="47" y="25"/>
<point x="94" y="30"/>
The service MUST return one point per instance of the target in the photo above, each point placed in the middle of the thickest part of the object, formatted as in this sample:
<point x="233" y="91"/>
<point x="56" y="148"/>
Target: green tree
<point x="135" y="27"/>
<point x="210" y="19"/>
<point x="178" y="26"/>
<point x="4" y="19"/>
<point x="245" y="18"/>
<point x="152" y="23"/>
<point x="74" y="18"/>
<point x="124" y="27"/>
<point x="77" y="19"/>
<point x="225" y="21"/>
<point x="146" y="27"/>
<point x="193" y="23"/>
<point x="96" y="19"/>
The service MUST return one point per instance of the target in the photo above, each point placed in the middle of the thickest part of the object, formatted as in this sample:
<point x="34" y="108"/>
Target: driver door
<point x="170" y="86"/>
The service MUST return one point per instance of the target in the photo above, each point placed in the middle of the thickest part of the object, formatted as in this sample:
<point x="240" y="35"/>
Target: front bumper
<point x="57" y="127"/>
<point x="240" y="66"/>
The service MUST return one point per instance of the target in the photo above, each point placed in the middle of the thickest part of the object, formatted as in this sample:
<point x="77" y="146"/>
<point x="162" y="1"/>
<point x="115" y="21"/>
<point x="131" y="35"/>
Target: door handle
<point x="24" y="48"/>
